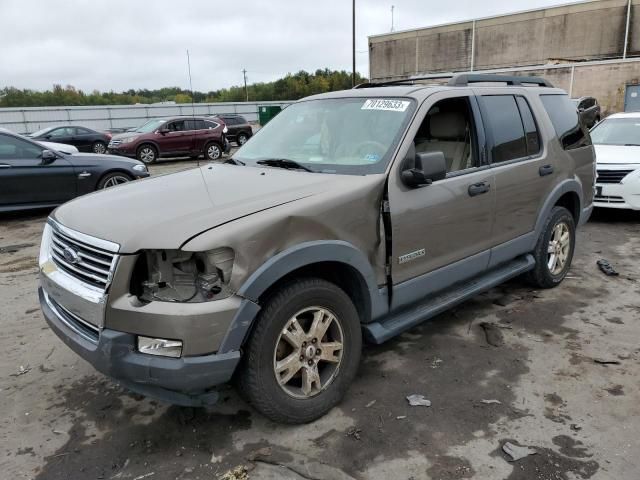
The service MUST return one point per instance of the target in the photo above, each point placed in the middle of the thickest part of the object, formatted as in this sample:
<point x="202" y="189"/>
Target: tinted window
<point x="16" y="148"/>
<point x="176" y="126"/>
<point x="566" y="122"/>
<point x="194" y="125"/>
<point x="506" y="128"/>
<point x="230" y="120"/>
<point x="62" y="132"/>
<point x="83" y="131"/>
<point x="530" y="129"/>
<point x="209" y="124"/>
<point x="589" y="102"/>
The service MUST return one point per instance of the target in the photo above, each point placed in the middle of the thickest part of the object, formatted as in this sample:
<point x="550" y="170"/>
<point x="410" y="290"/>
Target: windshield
<point x="347" y="135"/>
<point x="41" y="132"/>
<point x="575" y="101"/>
<point x="150" y="126"/>
<point x="617" y="131"/>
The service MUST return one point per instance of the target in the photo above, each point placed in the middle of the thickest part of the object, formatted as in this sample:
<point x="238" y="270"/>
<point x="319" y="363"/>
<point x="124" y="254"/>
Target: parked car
<point x="589" y="110"/>
<point x="85" y="139"/>
<point x="59" y="147"/>
<point x="172" y="137"/>
<point x="239" y="129"/>
<point x="34" y="176"/>
<point x="271" y="269"/>
<point x="617" y="143"/>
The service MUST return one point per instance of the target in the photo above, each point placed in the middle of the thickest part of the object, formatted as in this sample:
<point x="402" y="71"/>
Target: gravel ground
<point x="512" y="365"/>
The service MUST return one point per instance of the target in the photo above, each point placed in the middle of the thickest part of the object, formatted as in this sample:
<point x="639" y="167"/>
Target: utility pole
<point x="353" y="43"/>
<point x="246" y="92"/>
<point x="392" y="7"/>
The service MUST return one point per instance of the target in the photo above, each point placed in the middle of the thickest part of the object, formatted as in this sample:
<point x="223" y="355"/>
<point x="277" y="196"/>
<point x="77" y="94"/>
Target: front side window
<point x="62" y="132"/>
<point x="355" y="136"/>
<point x="505" y="126"/>
<point x="12" y="148"/>
<point x="448" y="128"/>
<point x="150" y="126"/>
<point x="177" y="126"/>
<point x="566" y="122"/>
<point x="617" y="131"/>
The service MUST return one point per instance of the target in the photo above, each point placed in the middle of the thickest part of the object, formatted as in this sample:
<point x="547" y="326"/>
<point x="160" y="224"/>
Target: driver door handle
<point x="4" y="165"/>
<point x="478" y="188"/>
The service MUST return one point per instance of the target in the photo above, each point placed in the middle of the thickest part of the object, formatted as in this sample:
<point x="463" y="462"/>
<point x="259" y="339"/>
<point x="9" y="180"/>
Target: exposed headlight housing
<point x="160" y="346"/>
<point x="140" y="168"/>
<point x="183" y="277"/>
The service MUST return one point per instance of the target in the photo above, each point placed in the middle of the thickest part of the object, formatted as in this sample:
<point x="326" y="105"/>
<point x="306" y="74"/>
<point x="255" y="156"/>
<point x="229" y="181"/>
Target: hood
<point x="60" y="147"/>
<point x="166" y="211"/>
<point x="122" y="136"/>
<point x="617" y="154"/>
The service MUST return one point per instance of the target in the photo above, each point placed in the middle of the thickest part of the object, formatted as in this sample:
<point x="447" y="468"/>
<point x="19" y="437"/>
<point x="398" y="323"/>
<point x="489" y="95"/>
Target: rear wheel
<point x="213" y="151"/>
<point x="554" y="250"/>
<point x="113" y="179"/>
<point x="147" y="154"/>
<point x="242" y="138"/>
<point x="304" y="352"/>
<point x="99" y="147"/>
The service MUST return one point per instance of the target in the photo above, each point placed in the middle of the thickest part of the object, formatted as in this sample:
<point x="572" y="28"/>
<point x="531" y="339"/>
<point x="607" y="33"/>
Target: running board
<point x="379" y="332"/>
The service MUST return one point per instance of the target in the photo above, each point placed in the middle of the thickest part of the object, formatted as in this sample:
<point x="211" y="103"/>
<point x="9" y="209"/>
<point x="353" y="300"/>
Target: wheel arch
<point x="336" y="261"/>
<point x="567" y="194"/>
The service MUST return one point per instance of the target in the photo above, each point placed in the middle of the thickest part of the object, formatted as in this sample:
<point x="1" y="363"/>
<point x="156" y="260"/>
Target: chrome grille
<point x="74" y="322"/>
<point x="85" y="262"/>
<point x="114" y="143"/>
<point x="608" y="199"/>
<point x="612" y="176"/>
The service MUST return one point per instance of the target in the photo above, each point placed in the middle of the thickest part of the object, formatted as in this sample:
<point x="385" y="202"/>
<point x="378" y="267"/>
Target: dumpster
<point x="267" y="112"/>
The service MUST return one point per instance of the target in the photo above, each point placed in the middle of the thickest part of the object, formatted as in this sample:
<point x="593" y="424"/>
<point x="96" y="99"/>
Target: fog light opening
<point x="160" y="346"/>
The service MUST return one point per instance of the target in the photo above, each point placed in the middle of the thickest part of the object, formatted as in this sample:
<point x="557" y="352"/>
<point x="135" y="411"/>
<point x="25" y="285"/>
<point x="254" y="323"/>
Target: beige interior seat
<point x="447" y="134"/>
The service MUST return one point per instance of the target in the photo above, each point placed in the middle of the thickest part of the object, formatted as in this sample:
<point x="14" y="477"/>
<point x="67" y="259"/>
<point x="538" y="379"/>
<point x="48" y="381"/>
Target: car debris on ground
<point x="607" y="268"/>
<point x="493" y="334"/>
<point x="417" y="400"/>
<point x="517" y="452"/>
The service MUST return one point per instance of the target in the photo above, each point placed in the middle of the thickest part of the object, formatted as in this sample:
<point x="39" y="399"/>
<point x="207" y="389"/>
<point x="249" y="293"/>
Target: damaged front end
<point x="183" y="277"/>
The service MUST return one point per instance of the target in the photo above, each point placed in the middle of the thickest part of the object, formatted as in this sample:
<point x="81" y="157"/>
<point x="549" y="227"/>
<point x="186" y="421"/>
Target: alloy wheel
<point x="308" y="352"/>
<point x="116" y="180"/>
<point x="213" y="152"/>
<point x="147" y="155"/>
<point x="242" y="139"/>
<point x="559" y="248"/>
<point x="99" y="148"/>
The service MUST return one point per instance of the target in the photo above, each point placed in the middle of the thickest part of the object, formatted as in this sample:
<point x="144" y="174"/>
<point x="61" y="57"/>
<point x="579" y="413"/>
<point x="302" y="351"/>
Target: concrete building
<point x="589" y="49"/>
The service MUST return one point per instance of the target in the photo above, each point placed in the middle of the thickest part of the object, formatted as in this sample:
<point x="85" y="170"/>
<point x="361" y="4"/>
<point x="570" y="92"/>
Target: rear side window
<point x="566" y="122"/>
<point x="506" y="127"/>
<point x="531" y="131"/>
<point x="210" y="125"/>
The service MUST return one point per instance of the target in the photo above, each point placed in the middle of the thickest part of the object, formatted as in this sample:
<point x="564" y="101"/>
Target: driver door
<point x="441" y="233"/>
<point x="25" y="179"/>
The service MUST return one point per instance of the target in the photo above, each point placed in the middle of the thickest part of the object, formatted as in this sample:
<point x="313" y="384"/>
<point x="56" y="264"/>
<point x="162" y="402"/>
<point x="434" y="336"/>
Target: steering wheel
<point x="368" y="147"/>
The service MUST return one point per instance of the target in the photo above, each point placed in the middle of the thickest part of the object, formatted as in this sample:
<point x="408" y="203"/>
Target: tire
<point x="99" y="147"/>
<point x="242" y="139"/>
<point x="113" y="179"/>
<point x="547" y="274"/>
<point x="147" y="154"/>
<point x="213" y="151"/>
<point x="258" y="380"/>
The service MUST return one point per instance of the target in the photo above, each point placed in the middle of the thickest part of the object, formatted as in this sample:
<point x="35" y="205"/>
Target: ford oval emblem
<point x="70" y="255"/>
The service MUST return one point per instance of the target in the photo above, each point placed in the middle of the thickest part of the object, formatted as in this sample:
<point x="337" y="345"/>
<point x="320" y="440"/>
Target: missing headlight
<point x="177" y="276"/>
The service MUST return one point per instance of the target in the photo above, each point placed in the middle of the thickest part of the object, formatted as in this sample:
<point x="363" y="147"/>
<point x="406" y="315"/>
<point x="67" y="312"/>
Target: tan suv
<point x="353" y="214"/>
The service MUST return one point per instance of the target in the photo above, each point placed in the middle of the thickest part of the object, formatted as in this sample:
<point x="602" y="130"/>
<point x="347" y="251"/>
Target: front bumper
<point x="625" y="195"/>
<point x="180" y="381"/>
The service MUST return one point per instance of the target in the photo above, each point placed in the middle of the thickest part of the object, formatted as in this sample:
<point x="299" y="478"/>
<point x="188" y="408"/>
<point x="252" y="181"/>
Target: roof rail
<point x="464" y="79"/>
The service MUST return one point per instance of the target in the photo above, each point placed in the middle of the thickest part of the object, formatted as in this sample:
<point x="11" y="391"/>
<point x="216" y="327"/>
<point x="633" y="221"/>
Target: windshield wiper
<point x="283" y="163"/>
<point x="632" y="144"/>
<point x="233" y="161"/>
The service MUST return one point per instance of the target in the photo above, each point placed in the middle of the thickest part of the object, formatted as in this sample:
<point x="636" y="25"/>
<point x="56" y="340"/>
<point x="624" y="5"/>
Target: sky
<point x="122" y="44"/>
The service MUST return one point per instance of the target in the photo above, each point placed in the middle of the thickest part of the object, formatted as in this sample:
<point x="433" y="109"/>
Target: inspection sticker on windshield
<point x="385" y="104"/>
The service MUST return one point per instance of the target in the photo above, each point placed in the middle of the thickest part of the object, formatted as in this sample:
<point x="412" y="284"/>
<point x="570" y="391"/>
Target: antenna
<point x="193" y="107"/>
<point x="392" y="8"/>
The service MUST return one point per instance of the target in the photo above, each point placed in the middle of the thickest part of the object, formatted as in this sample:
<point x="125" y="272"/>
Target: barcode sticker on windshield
<point x="385" y="104"/>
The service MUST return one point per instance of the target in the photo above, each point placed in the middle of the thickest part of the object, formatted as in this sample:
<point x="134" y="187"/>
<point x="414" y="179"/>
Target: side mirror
<point x="428" y="168"/>
<point x="163" y="130"/>
<point x="48" y="157"/>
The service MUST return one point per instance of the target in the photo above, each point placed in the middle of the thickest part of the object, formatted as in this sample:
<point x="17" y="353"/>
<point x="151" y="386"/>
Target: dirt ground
<point x="555" y="370"/>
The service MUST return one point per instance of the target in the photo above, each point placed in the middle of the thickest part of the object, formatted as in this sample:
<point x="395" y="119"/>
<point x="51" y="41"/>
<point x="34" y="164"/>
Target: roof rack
<point x="463" y="80"/>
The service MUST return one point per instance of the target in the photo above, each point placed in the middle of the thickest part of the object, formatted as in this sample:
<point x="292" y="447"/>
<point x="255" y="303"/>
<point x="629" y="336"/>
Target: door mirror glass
<point x="427" y="168"/>
<point x="48" y="156"/>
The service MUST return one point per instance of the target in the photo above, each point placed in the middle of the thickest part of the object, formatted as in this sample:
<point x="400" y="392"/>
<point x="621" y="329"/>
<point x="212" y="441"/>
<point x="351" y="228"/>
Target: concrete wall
<point x="585" y="31"/>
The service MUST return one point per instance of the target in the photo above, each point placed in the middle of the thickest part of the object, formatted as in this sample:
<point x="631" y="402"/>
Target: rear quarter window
<point x="566" y="121"/>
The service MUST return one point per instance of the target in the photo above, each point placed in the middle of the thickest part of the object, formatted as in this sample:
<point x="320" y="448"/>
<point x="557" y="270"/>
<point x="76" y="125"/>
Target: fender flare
<point x="288" y="261"/>
<point x="570" y="185"/>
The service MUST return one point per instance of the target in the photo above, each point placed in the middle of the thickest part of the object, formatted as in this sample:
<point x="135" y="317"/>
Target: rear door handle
<point x="545" y="170"/>
<point x="478" y="189"/>
<point x="4" y="165"/>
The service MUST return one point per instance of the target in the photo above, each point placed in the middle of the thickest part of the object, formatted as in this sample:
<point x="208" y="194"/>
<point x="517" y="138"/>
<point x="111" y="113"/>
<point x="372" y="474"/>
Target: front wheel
<point x="147" y="154"/>
<point x="304" y="352"/>
<point x="554" y="250"/>
<point x="112" y="180"/>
